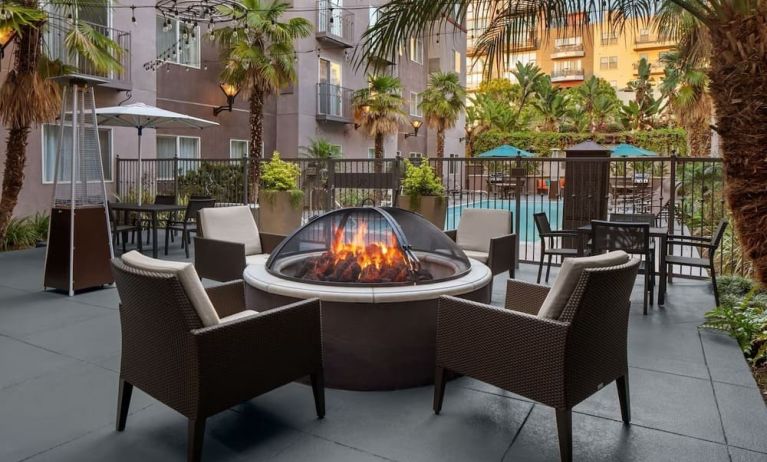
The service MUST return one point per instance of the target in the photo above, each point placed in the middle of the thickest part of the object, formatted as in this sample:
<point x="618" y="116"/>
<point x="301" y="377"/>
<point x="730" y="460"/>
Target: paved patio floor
<point x="692" y="396"/>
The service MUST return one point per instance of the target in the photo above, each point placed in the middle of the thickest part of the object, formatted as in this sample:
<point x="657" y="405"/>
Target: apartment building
<point x="317" y="105"/>
<point x="570" y="55"/>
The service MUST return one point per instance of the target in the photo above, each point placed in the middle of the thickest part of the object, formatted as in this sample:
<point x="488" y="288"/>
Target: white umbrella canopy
<point x="141" y="116"/>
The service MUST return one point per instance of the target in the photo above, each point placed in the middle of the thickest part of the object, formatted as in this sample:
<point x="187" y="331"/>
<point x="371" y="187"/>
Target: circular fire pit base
<point x="383" y="340"/>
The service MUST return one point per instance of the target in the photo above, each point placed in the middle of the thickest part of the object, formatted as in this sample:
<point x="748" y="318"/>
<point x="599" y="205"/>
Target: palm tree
<point x="27" y="96"/>
<point x="737" y="73"/>
<point x="527" y="75"/>
<point x="259" y="57"/>
<point x="551" y="103"/>
<point x="378" y="109"/>
<point x="597" y="101"/>
<point x="685" y="88"/>
<point x="642" y="87"/>
<point x="442" y="104"/>
<point x="321" y="149"/>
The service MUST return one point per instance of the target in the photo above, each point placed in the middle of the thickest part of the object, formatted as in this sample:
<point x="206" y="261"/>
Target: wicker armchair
<point x="557" y="362"/>
<point x="200" y="371"/>
<point x="487" y="235"/>
<point x="227" y="240"/>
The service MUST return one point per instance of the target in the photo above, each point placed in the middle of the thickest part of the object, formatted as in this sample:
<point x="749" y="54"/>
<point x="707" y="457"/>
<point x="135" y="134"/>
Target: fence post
<point x="672" y="193"/>
<point x="118" y="188"/>
<point x="245" y="161"/>
<point x="331" y="195"/>
<point x="175" y="176"/>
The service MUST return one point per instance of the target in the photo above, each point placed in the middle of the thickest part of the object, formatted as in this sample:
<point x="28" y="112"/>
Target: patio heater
<point x="79" y="235"/>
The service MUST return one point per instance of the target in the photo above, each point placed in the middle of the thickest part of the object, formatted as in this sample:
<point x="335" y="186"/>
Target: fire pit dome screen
<point x="374" y="246"/>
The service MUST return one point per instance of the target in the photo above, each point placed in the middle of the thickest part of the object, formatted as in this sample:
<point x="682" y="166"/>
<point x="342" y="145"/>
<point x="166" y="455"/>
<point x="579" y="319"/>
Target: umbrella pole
<point x="140" y="177"/>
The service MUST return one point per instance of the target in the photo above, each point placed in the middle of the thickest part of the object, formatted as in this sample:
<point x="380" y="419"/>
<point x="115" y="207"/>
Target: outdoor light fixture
<point x="6" y="36"/>
<point x="231" y="91"/>
<point x="416" y="123"/>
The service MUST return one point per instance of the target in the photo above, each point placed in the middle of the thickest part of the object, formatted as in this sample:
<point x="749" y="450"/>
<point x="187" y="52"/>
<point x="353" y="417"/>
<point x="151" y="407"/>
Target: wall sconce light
<point x="7" y="35"/>
<point x="416" y="123"/>
<point x="231" y="91"/>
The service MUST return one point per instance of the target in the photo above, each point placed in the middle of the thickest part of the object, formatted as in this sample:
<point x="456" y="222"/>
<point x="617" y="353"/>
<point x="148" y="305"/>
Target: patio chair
<point x="121" y="229"/>
<point x="648" y="218"/>
<point x="632" y="238"/>
<point x="199" y="351"/>
<point x="555" y="346"/>
<point x="487" y="235"/>
<point x="188" y="224"/>
<point x="164" y="199"/>
<point x="228" y="240"/>
<point x="705" y="245"/>
<point x="545" y="232"/>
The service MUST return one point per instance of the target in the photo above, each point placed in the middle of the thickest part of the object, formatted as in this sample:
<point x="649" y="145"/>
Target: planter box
<point x="433" y="208"/>
<point x="277" y="215"/>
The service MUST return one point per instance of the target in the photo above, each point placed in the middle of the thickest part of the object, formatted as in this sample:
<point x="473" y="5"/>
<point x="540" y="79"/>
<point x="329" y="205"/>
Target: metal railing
<point x="562" y="73"/>
<point x="335" y="21"/>
<point x="334" y="102"/>
<point x="685" y="194"/>
<point x="652" y="39"/>
<point x="55" y="39"/>
<point x="568" y="48"/>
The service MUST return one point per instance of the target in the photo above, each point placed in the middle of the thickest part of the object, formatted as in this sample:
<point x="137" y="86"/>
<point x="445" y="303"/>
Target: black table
<point x="153" y="210"/>
<point x="655" y="232"/>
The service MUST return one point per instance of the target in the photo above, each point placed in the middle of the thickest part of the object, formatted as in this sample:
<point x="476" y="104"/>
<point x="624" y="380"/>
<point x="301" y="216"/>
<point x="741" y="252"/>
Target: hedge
<point x="662" y="141"/>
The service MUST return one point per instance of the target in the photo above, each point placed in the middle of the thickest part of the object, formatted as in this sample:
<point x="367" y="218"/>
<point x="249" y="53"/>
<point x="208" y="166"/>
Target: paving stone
<point x="743" y="416"/>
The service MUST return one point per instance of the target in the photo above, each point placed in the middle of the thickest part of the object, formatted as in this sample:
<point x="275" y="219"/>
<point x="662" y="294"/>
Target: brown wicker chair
<point x="487" y="235"/>
<point x="221" y="253"/>
<point x="200" y="371"/>
<point x="557" y="362"/>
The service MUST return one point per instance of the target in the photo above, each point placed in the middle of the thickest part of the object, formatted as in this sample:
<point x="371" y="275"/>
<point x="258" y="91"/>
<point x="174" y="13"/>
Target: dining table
<point x="656" y="232"/>
<point x="153" y="210"/>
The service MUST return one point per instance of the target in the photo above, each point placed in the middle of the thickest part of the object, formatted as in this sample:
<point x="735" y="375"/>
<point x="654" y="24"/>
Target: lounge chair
<point x="487" y="235"/>
<point x="201" y="351"/>
<point x="556" y="346"/>
<point x="228" y="240"/>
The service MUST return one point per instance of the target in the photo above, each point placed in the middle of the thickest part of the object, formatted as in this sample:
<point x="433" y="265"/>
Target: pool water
<point x="527" y="230"/>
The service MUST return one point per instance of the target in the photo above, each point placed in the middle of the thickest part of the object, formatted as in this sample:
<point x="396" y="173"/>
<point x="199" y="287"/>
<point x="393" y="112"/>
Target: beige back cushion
<point x="186" y="275"/>
<point x="231" y="224"/>
<point x="478" y="226"/>
<point x="568" y="277"/>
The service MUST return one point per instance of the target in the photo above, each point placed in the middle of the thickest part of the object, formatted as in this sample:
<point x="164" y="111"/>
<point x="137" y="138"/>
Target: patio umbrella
<point x="141" y="116"/>
<point x="506" y="151"/>
<point x="629" y="150"/>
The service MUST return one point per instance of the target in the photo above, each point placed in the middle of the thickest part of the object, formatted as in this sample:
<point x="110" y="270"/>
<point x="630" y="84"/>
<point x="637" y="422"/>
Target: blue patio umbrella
<point x="506" y="151"/>
<point x="629" y="150"/>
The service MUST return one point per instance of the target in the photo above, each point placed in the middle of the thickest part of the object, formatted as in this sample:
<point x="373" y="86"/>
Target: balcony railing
<point x="334" y="103"/>
<point x="55" y="36"/>
<point x="567" y="74"/>
<point x="566" y="51"/>
<point x="651" y="41"/>
<point x="335" y="25"/>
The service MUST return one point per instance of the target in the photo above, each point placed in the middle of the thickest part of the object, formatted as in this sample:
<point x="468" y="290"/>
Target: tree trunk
<point x="738" y="86"/>
<point x="26" y="57"/>
<point x="256" y="140"/>
<point x="440" y="151"/>
<point x="379" y="152"/>
<point x="699" y="137"/>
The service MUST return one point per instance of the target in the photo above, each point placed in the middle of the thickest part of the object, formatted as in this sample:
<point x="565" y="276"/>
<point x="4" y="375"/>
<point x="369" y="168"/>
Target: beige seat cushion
<point x="186" y="274"/>
<point x="240" y="315"/>
<point x="568" y="277"/>
<point x="476" y="255"/>
<point x="478" y="226"/>
<point x="231" y="224"/>
<point x="259" y="259"/>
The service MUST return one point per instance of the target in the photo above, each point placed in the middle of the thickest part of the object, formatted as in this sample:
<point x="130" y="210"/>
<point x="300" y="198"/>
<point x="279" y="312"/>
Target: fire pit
<point x="379" y="273"/>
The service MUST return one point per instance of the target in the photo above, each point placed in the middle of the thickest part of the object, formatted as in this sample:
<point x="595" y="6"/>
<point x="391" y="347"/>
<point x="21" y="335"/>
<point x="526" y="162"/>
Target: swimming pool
<point x="527" y="231"/>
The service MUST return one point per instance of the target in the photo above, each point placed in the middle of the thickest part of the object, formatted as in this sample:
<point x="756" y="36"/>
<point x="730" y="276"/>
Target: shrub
<point x="25" y="232"/>
<point x="222" y="180"/>
<point x="421" y="180"/>
<point x="278" y="175"/>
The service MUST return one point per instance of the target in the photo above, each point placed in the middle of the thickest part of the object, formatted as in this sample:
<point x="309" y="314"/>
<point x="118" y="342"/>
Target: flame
<point x="377" y="255"/>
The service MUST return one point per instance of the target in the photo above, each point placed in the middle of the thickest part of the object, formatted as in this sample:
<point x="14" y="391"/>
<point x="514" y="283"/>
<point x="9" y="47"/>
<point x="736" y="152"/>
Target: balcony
<point x="55" y="34"/>
<point x="656" y="67"/>
<point x="647" y="42"/>
<point x="335" y="25"/>
<point x="568" y="51"/>
<point x="334" y="103"/>
<point x="567" y="75"/>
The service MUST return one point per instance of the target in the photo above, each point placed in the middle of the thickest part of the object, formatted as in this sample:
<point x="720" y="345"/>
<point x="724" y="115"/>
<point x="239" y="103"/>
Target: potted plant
<point x="280" y="199"/>
<point x="319" y="151"/>
<point x="423" y="193"/>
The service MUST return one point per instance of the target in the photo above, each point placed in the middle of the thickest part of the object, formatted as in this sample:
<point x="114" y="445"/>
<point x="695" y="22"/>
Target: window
<point x="511" y="60"/>
<point x="608" y="62"/>
<point x="474" y="74"/>
<point x="609" y="38"/>
<point x="373" y="14"/>
<point x="564" y="66"/>
<point x="50" y="148"/>
<point x="238" y="149"/>
<point x="183" y="147"/>
<point x="416" y="50"/>
<point x="457" y="62"/>
<point x="371" y="153"/>
<point x="177" y="43"/>
<point x="415" y="102"/>
<point x="415" y="155"/>
<point x="569" y="42"/>
<point x="451" y="165"/>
